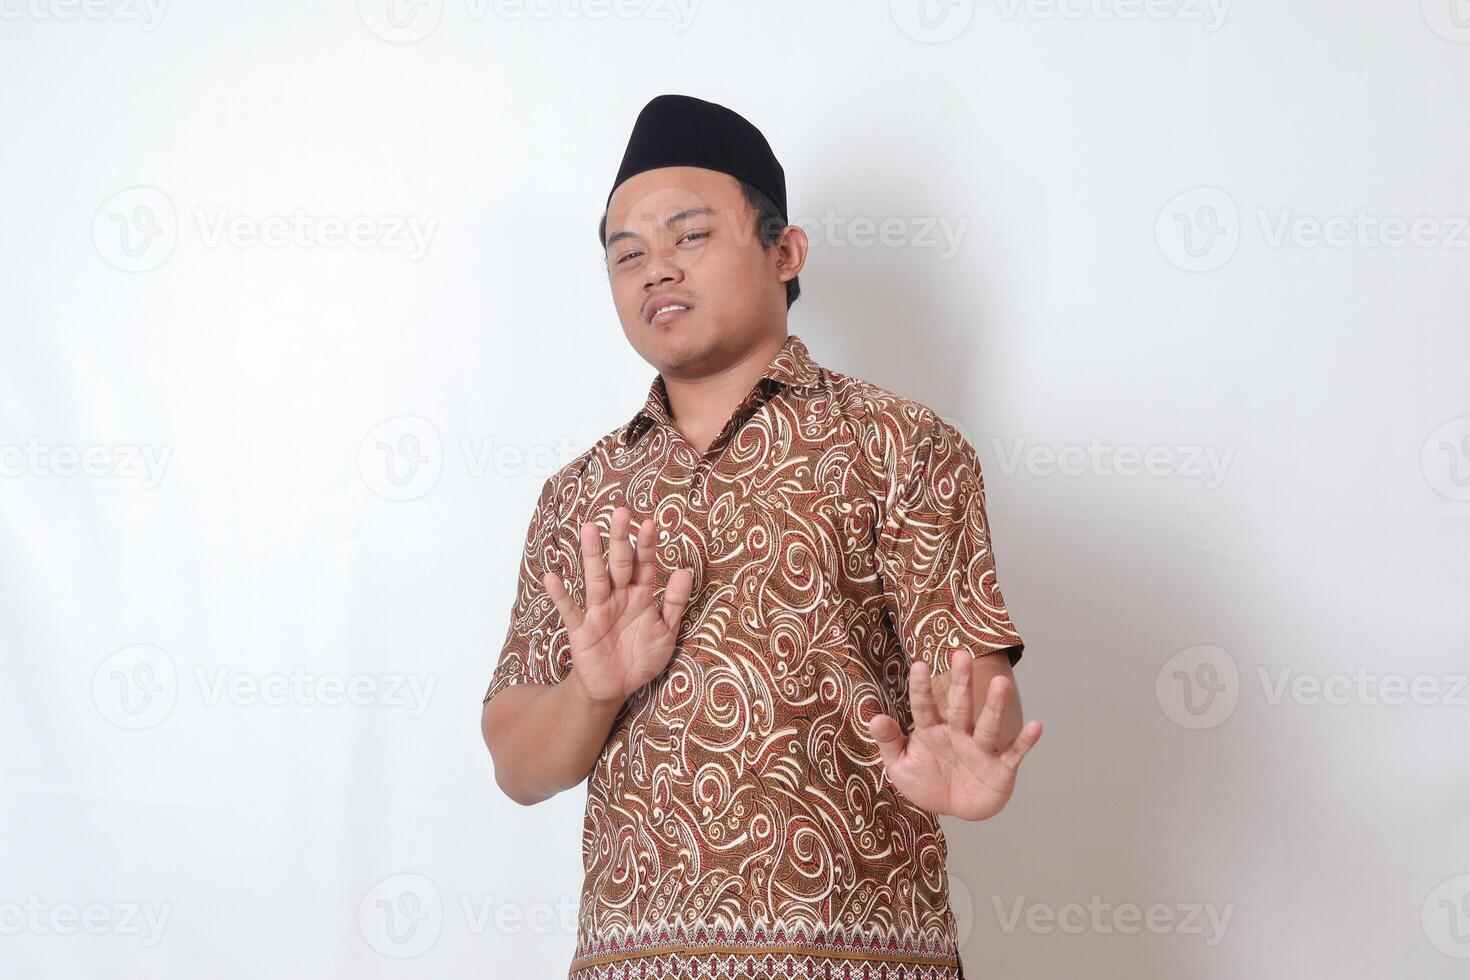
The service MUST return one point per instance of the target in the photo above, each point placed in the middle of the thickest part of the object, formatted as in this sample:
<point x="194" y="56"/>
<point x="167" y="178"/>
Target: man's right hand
<point x="621" y="641"/>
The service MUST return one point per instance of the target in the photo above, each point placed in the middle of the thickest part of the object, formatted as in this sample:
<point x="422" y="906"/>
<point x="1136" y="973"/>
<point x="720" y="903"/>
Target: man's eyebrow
<point x="669" y="222"/>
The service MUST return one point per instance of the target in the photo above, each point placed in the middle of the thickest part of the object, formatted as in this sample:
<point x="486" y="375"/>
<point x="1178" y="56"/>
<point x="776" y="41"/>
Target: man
<point x="732" y="607"/>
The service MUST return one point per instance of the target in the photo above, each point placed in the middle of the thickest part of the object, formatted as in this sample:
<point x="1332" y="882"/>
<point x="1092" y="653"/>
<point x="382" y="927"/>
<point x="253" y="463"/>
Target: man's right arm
<point x="543" y="734"/>
<point x="565" y="672"/>
<point x="544" y="738"/>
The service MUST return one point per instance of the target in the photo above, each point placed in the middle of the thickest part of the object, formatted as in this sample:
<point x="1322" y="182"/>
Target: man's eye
<point x="692" y="234"/>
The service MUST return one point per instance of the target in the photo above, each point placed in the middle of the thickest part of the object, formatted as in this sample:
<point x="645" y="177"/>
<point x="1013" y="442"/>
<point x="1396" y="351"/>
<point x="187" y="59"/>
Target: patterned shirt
<point x="738" y="821"/>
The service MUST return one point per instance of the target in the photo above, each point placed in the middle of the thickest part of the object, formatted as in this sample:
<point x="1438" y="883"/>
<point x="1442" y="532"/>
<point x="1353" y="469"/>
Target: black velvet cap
<point x="682" y="131"/>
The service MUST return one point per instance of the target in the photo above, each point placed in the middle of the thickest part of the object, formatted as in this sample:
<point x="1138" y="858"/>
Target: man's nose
<point x="661" y="268"/>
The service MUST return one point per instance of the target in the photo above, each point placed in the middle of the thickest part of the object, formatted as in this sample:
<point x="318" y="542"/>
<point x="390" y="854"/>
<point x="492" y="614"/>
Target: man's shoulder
<point x="887" y="413"/>
<point x="575" y="469"/>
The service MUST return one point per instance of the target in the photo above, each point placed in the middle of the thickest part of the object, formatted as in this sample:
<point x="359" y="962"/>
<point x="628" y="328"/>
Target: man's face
<point x="686" y="235"/>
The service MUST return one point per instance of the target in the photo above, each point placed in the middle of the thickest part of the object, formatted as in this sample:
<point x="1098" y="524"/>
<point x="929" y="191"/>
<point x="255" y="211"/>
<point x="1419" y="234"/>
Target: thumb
<point x="888" y="733"/>
<point x="676" y="596"/>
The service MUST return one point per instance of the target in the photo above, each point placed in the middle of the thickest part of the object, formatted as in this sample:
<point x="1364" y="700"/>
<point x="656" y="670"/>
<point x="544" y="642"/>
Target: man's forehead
<point x="655" y="195"/>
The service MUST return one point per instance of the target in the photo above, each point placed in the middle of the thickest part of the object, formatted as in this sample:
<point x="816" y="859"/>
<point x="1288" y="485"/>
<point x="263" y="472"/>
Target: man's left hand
<point x="953" y="763"/>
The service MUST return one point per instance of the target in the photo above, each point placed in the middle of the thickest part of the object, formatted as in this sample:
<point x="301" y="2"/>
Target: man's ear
<point x="791" y="252"/>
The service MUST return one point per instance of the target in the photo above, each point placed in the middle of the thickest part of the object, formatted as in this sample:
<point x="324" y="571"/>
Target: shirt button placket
<point x="699" y="483"/>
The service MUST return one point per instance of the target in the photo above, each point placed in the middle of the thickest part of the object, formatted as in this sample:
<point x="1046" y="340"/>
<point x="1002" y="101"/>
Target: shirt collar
<point x="791" y="367"/>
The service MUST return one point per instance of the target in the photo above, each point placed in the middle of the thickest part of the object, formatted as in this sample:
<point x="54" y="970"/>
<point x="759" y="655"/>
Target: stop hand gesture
<point x="954" y="765"/>
<point x="621" y="641"/>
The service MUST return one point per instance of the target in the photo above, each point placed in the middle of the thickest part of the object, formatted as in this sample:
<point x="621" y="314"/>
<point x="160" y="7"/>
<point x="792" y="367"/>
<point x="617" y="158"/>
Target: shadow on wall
<point x="1120" y="805"/>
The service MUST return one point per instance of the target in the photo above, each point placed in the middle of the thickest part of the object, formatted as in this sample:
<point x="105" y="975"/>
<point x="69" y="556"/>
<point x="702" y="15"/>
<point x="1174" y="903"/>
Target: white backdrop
<point x="300" y="304"/>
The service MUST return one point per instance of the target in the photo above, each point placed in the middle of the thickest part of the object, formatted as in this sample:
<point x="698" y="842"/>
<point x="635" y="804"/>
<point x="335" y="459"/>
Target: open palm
<point x="621" y="640"/>
<point x="956" y="765"/>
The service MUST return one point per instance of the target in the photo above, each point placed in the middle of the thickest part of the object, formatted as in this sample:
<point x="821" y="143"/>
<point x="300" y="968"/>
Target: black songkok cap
<point x="682" y="131"/>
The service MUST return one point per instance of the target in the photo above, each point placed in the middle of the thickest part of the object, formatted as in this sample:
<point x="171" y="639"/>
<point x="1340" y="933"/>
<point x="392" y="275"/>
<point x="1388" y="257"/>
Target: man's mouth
<point x="667" y="312"/>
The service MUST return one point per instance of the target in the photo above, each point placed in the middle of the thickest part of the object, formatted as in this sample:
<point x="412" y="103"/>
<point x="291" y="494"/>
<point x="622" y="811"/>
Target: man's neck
<point x="701" y="406"/>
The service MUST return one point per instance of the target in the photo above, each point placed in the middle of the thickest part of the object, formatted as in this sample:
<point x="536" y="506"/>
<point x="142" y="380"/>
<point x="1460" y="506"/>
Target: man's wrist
<point x="577" y="691"/>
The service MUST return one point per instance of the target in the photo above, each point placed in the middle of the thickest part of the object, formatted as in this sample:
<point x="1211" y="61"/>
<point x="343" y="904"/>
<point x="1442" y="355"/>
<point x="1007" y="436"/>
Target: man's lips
<point x="652" y="305"/>
<point x="659" y="319"/>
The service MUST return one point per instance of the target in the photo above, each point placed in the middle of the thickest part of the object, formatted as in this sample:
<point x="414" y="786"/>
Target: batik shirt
<point x="738" y="820"/>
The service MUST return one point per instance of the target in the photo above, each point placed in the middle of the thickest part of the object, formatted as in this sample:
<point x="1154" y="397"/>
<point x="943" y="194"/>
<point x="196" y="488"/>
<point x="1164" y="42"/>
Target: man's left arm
<point x="944" y="601"/>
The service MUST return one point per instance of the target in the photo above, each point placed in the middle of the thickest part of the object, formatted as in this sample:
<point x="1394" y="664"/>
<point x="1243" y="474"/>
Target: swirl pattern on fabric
<point x="738" y="817"/>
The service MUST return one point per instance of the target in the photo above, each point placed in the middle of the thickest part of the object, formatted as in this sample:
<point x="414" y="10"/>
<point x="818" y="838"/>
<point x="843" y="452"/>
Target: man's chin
<point x="680" y="346"/>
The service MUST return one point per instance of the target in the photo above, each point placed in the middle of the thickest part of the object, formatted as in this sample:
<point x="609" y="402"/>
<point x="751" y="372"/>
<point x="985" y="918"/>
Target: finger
<point x="644" y="562"/>
<point x="1029" y="735"/>
<point x="594" y="569"/>
<point x="961" y="711"/>
<point x="571" y="613"/>
<point x="676" y="596"/>
<point x="993" y="715"/>
<point x="619" y="551"/>
<point x="921" y="696"/>
<point x="888" y="733"/>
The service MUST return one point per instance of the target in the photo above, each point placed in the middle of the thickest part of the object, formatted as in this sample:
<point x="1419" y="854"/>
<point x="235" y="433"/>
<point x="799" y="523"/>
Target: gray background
<point x="1191" y="279"/>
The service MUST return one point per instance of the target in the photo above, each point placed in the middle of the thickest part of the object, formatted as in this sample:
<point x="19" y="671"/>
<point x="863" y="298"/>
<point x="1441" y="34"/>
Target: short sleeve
<point x="934" y="552"/>
<point x="536" y="649"/>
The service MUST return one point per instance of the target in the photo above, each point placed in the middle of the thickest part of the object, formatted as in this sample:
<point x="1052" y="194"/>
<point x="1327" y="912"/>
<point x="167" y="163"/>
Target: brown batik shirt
<point x="738" y="820"/>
